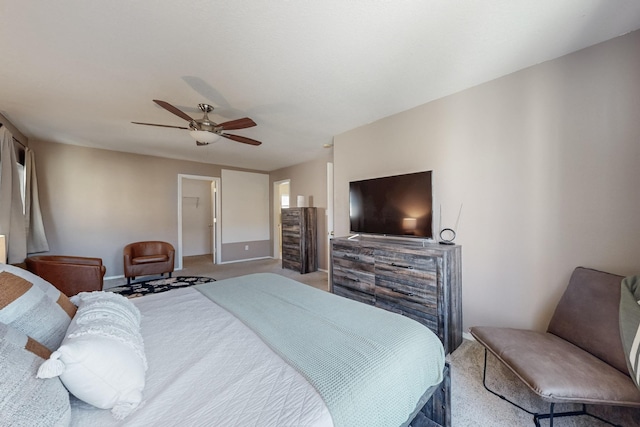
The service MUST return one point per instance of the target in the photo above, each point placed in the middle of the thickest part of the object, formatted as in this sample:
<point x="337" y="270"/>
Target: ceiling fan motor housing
<point x="204" y="123"/>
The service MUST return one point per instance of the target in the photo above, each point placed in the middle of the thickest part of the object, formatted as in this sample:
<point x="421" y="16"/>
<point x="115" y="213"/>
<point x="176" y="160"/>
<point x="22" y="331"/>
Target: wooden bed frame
<point x="437" y="411"/>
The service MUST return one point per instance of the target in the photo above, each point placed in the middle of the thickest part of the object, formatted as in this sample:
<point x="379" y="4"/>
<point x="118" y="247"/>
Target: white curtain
<point x="36" y="238"/>
<point x="12" y="223"/>
<point x="22" y="224"/>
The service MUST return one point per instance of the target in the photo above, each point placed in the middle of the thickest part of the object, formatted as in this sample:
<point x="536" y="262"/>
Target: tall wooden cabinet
<point x="299" y="239"/>
<point x="422" y="281"/>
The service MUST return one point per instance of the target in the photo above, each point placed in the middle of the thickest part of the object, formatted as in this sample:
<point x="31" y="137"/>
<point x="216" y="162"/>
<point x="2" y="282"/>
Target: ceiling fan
<point x="203" y="130"/>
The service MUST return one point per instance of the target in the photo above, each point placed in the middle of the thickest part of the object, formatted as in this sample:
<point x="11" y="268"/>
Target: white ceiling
<point x="78" y="72"/>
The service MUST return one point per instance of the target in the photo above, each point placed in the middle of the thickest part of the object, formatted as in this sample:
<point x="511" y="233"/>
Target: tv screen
<point x="399" y="205"/>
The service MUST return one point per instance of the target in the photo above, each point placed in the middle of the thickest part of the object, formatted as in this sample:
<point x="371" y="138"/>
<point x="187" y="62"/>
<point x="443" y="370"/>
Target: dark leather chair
<point x="148" y="258"/>
<point x="580" y="358"/>
<point x="70" y="274"/>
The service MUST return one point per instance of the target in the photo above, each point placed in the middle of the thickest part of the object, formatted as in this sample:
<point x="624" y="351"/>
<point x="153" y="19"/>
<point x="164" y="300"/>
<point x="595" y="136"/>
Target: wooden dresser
<point x="299" y="239"/>
<point x="422" y="281"/>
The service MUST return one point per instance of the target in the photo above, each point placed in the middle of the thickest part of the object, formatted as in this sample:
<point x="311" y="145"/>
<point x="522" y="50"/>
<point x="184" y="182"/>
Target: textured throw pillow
<point x="24" y="399"/>
<point x="46" y="287"/>
<point x="28" y="308"/>
<point x="101" y="360"/>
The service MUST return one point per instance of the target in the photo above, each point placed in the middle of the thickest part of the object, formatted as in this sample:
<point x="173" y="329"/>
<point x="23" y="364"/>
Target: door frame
<point x="277" y="206"/>
<point x="329" y="213"/>
<point x="215" y="209"/>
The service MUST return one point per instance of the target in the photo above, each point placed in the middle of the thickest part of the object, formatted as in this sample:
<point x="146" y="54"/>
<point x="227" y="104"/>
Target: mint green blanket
<point x="370" y="366"/>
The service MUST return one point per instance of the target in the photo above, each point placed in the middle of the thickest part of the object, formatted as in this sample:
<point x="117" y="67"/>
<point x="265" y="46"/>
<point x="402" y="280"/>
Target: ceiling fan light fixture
<point x="203" y="130"/>
<point x="204" y="136"/>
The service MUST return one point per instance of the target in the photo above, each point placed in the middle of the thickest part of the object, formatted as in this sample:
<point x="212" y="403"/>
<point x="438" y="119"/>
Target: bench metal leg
<point x="536" y="415"/>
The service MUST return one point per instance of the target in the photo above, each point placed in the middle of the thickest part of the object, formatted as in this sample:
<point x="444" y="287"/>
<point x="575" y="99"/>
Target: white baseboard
<point x="468" y="336"/>
<point x="246" y="259"/>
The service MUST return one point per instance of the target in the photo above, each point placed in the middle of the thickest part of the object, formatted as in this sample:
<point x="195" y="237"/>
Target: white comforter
<point x="206" y="368"/>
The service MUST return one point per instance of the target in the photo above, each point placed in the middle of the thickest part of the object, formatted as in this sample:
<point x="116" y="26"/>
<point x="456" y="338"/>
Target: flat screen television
<point x="399" y="205"/>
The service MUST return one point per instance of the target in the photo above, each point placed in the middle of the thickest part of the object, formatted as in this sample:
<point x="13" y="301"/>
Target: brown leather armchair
<point x="70" y="274"/>
<point x="147" y="258"/>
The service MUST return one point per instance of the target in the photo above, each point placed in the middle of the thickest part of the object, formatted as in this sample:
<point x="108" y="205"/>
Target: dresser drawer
<point x="290" y="252"/>
<point x="345" y="253"/>
<point x="409" y="262"/>
<point x="355" y="279"/>
<point x="407" y="283"/>
<point x="290" y="215"/>
<point x="353" y="267"/>
<point x="350" y="293"/>
<point x="420" y="305"/>
<point x="291" y="264"/>
<point x="421" y="290"/>
<point x="411" y="310"/>
<point x="407" y="276"/>
<point x="292" y="240"/>
<point x="291" y="228"/>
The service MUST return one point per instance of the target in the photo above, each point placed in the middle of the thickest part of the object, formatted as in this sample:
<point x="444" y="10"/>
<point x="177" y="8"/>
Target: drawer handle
<point x="408" y="267"/>
<point x="353" y="279"/>
<point x="409" y="294"/>
<point x="352" y="257"/>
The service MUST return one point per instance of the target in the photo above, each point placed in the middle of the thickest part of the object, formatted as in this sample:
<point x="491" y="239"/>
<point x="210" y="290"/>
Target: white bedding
<point x="206" y="368"/>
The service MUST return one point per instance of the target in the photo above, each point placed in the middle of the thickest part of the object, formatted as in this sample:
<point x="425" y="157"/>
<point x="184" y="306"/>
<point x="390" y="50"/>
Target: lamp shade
<point x="204" y="136"/>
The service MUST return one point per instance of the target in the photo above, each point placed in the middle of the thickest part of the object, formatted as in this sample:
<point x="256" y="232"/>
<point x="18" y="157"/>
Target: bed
<point x="264" y="350"/>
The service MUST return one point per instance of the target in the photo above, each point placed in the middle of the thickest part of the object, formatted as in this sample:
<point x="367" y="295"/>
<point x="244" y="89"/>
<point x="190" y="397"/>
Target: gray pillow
<point x="41" y="315"/>
<point x="24" y="399"/>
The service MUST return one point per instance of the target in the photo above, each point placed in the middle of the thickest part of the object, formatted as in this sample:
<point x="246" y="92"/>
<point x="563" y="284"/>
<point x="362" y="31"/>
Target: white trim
<point x="329" y="216"/>
<point x="468" y="336"/>
<point x="218" y="223"/>
<point x="245" y="259"/>
<point x="276" y="211"/>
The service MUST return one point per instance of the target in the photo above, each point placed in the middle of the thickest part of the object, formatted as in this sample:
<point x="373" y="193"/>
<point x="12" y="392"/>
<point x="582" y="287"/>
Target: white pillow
<point x="101" y="360"/>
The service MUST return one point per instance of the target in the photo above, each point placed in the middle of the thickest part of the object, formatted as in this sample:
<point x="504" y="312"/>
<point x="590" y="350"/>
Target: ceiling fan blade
<point x="170" y="108"/>
<point x="243" y="123"/>
<point x="164" y="126"/>
<point x="242" y="139"/>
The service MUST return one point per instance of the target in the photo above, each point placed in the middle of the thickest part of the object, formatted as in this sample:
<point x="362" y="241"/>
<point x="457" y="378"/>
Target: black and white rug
<point x="138" y="289"/>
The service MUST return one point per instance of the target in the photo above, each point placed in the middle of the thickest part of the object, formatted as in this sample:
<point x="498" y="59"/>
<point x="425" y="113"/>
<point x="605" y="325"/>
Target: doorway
<point x="198" y="214"/>
<point x="329" y="213"/>
<point x="281" y="190"/>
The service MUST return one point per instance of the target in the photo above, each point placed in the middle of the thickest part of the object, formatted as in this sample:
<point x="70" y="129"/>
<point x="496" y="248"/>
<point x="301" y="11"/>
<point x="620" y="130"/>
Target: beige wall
<point x="545" y="162"/>
<point x="309" y="179"/>
<point x="96" y="201"/>
<point x="244" y="204"/>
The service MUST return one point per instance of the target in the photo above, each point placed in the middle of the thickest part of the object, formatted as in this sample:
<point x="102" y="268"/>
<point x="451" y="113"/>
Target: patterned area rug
<point x="155" y="286"/>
